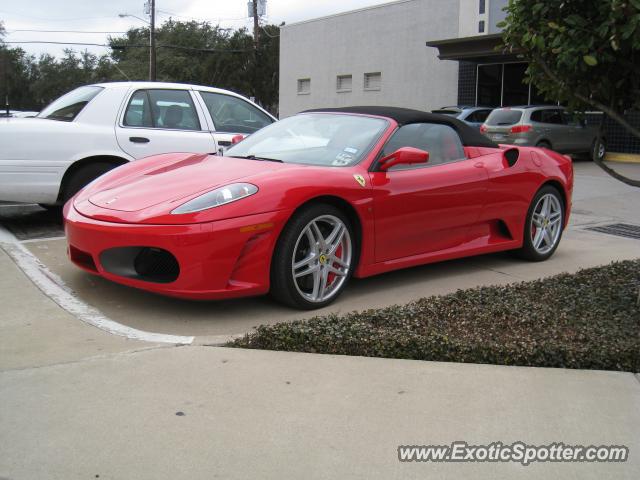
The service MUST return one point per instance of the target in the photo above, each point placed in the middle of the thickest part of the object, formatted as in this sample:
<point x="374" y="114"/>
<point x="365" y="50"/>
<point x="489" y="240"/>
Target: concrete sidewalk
<point x="272" y="415"/>
<point x="35" y="331"/>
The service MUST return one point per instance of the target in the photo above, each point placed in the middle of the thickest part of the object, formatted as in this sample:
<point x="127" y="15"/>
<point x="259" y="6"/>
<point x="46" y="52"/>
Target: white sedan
<point x="95" y="128"/>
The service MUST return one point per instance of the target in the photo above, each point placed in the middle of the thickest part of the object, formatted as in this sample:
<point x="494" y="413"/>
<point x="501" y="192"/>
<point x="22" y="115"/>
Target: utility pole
<point x="256" y="47"/>
<point x="256" y="26"/>
<point x="6" y="80"/>
<point x="152" y="41"/>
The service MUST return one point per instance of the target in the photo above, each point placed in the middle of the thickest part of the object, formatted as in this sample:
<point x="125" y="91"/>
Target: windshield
<point x="68" y="106"/>
<point x="504" y="117"/>
<point x="326" y="139"/>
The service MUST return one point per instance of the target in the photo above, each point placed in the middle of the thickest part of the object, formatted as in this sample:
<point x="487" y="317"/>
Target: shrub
<point x="590" y="319"/>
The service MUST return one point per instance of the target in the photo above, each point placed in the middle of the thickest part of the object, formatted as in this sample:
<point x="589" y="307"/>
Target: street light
<point x="152" y="37"/>
<point x="124" y="15"/>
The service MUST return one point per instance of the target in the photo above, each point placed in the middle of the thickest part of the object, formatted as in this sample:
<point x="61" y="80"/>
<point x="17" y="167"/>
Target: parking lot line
<point x="53" y="286"/>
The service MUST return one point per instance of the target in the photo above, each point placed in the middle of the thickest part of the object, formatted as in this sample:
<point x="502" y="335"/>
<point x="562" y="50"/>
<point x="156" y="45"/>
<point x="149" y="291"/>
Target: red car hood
<point x="169" y="183"/>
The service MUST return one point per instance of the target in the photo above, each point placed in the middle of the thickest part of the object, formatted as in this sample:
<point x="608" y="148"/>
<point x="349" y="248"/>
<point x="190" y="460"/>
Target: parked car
<point x="549" y="127"/>
<point x="474" y="116"/>
<point x="300" y="206"/>
<point x="95" y="128"/>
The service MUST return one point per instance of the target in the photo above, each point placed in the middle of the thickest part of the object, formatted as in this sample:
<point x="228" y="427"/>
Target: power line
<point x="123" y="47"/>
<point x="267" y="33"/>
<point x="165" y="12"/>
<point x="63" y="31"/>
<point x="49" y="19"/>
<point x="61" y="43"/>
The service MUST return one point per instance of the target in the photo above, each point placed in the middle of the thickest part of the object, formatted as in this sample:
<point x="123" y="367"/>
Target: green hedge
<point x="590" y="319"/>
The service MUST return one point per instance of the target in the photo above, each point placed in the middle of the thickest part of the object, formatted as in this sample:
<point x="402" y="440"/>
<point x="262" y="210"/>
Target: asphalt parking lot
<point x="598" y="200"/>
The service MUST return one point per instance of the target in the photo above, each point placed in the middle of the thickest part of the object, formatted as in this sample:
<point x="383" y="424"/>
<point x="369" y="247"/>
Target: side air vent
<point x="511" y="156"/>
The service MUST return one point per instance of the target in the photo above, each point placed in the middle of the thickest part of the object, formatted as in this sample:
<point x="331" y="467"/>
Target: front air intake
<point x="149" y="264"/>
<point x="156" y="265"/>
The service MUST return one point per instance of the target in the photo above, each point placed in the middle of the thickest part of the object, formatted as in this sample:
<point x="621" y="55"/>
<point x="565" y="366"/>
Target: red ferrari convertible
<point x="300" y="206"/>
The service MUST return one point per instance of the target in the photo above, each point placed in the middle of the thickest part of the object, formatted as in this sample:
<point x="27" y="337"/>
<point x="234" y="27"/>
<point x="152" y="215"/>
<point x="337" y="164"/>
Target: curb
<point x="53" y="286"/>
<point x="622" y="157"/>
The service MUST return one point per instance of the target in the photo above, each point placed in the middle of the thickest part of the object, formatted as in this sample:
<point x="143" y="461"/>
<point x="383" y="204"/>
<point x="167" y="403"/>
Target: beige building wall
<point x="389" y="39"/>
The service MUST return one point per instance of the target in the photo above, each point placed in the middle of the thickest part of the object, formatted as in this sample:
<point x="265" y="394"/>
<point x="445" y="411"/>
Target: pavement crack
<point x="92" y="358"/>
<point x="502" y="273"/>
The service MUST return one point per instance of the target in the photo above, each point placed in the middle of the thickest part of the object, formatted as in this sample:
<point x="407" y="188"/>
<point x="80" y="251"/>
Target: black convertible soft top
<point x="469" y="136"/>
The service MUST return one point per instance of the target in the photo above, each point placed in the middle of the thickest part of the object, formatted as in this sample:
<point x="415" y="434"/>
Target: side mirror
<point x="404" y="156"/>
<point x="236" y="139"/>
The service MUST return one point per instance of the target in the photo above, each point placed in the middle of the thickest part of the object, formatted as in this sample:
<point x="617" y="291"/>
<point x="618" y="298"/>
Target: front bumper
<point x="223" y="259"/>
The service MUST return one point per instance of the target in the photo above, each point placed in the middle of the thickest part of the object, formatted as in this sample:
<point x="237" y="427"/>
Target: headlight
<point x="217" y="197"/>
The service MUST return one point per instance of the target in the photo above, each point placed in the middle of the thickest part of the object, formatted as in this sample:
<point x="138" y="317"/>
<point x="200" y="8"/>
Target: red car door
<point x="426" y="207"/>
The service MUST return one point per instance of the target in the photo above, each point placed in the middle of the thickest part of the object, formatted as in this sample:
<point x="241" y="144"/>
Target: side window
<point x="234" y="115"/>
<point x="536" y="116"/>
<point x="441" y="141"/>
<point x="570" y="119"/>
<point x="479" y="116"/>
<point x="172" y="109"/>
<point x="138" y="112"/>
<point x="553" y="117"/>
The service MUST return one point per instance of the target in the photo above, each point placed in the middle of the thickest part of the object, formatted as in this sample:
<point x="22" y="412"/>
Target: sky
<point x="102" y="16"/>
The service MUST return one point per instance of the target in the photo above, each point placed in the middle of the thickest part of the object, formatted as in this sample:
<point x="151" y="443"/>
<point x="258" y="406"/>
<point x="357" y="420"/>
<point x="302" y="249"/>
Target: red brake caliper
<point x="332" y="276"/>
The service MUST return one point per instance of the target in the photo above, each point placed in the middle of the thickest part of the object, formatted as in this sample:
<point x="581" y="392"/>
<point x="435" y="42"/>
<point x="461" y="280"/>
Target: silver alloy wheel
<point x="601" y="150"/>
<point x="321" y="258"/>
<point x="546" y="223"/>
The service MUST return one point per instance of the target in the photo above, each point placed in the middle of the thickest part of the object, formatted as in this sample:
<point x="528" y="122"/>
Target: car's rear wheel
<point x="544" y="225"/>
<point x="82" y="177"/>
<point x="543" y="144"/>
<point x="314" y="258"/>
<point x="598" y="149"/>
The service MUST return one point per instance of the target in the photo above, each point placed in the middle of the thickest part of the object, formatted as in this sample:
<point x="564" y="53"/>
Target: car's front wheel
<point x="544" y="225"/>
<point x="81" y="177"/>
<point x="314" y="258"/>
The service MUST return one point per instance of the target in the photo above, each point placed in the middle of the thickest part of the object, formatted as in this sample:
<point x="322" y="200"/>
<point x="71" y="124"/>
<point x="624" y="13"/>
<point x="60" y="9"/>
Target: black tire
<point x="543" y="144"/>
<point x="283" y="288"/>
<point x="598" y="149"/>
<point x="528" y="251"/>
<point x="82" y="177"/>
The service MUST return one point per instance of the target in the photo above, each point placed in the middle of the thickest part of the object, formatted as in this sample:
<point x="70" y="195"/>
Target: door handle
<point x="139" y="139"/>
<point x="478" y="164"/>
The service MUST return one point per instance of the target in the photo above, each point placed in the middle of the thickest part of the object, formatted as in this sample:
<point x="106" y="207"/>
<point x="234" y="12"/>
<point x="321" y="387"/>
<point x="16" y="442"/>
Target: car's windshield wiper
<point x="253" y="157"/>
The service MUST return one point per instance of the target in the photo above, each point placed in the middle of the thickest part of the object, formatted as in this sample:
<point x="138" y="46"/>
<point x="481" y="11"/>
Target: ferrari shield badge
<point x="360" y="180"/>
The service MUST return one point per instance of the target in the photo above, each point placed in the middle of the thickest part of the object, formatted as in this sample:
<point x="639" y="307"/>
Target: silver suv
<point x="549" y="127"/>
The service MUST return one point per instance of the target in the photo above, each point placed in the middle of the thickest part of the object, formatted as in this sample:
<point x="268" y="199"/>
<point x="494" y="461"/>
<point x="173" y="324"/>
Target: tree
<point x="16" y="71"/>
<point x="204" y="54"/>
<point x="187" y="52"/>
<point x="583" y="53"/>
